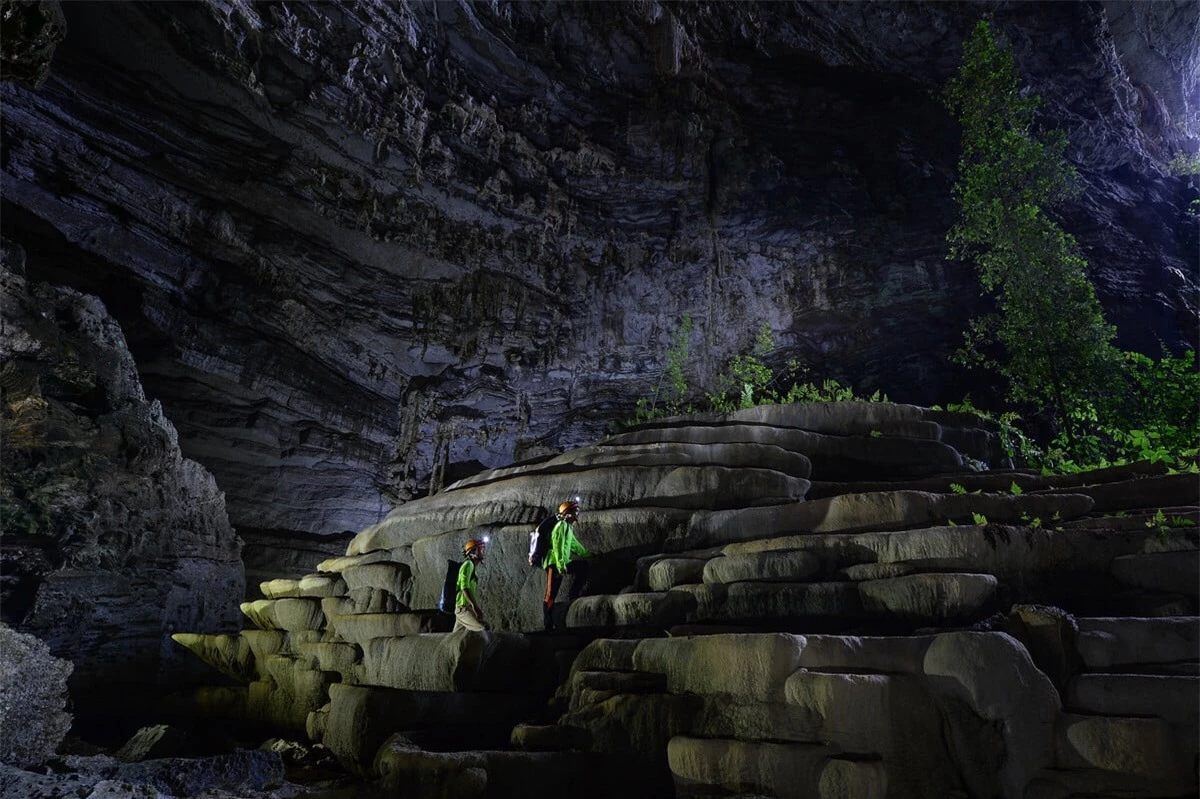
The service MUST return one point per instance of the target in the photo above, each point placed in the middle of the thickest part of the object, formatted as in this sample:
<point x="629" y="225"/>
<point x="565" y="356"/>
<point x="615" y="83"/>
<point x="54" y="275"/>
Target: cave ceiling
<point x="357" y="248"/>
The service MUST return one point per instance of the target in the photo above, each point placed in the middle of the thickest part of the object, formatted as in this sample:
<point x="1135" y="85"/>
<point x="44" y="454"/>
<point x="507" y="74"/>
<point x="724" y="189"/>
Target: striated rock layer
<point x="111" y="539"/>
<point x="966" y="633"/>
<point x="363" y="248"/>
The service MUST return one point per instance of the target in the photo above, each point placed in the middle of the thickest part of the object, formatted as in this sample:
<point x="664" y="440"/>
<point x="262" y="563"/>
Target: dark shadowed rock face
<point x="360" y="248"/>
<point x="111" y="539"/>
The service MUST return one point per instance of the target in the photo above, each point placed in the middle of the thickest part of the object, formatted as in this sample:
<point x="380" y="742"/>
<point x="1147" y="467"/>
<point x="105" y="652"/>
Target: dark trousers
<point x="578" y="569"/>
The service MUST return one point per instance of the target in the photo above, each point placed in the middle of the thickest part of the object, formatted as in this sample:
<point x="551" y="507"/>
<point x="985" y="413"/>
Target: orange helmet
<point x="474" y="544"/>
<point x="570" y="506"/>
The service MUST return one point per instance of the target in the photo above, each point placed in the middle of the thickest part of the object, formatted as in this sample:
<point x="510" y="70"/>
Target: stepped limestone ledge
<point x="749" y="458"/>
<point x="881" y="641"/>
<point x="112" y="540"/>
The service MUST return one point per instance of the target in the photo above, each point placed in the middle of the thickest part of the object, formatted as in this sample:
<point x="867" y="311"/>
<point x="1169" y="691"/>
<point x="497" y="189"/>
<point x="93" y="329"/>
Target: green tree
<point x="1056" y="343"/>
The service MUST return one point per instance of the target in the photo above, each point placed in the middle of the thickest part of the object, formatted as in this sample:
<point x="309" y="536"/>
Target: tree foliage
<point x="1057" y="350"/>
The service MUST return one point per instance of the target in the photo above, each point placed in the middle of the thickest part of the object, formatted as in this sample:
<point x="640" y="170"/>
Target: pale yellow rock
<point x="855" y="709"/>
<point x="783" y="770"/>
<point x="274" y="589"/>
<point x="667" y="573"/>
<point x="261" y="614"/>
<point x="334" y="656"/>
<point x="749" y="666"/>
<point x="229" y="654"/>
<point x="1143" y="747"/>
<point x="296" y="614"/>
<point x="360" y="628"/>
<point x="932" y="597"/>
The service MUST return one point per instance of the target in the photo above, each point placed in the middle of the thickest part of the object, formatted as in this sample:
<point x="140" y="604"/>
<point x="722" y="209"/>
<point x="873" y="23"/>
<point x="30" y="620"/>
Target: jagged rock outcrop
<point x="889" y="642"/>
<point x="111" y="539"/>
<point x="359" y="249"/>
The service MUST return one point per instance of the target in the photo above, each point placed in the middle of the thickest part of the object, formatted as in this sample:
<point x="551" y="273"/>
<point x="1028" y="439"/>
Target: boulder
<point x="311" y="585"/>
<point x="154" y="742"/>
<point x="1049" y="634"/>
<point x="1142" y="747"/>
<point x="1001" y="709"/>
<point x="33" y="697"/>
<point x="752" y="602"/>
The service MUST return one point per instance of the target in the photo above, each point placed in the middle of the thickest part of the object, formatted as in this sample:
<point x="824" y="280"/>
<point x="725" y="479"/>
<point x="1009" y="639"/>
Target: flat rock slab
<point x="1109" y="643"/>
<point x="1173" y="698"/>
<point x="312" y="585"/>
<point x="1146" y="492"/>
<point x="460" y="661"/>
<point x="938" y="597"/>
<point x="750" y="666"/>
<point x="995" y="549"/>
<point x="888" y="510"/>
<point x="660" y="609"/>
<point x="874" y="571"/>
<point x="290" y="614"/>
<point x="523" y="500"/>
<point x="833" y="457"/>
<point x="1139" y="747"/>
<point x="718" y="602"/>
<point x="795" y="566"/>
<point x="359" y="628"/>
<point x="667" y="573"/>
<point x="1174" y="572"/>
<point x="782" y="770"/>
<point x="661" y="453"/>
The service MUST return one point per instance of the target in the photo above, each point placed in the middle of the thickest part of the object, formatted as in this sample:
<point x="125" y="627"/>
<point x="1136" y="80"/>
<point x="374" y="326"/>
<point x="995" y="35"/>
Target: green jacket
<point x="564" y="546"/>
<point x="466" y="582"/>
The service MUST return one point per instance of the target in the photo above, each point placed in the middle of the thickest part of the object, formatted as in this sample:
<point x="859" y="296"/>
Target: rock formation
<point x="361" y="249"/>
<point x="925" y="626"/>
<point x="111" y="539"/>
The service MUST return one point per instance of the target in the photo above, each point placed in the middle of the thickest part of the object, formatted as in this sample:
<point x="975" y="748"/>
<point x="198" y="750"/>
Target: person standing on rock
<point x="564" y="548"/>
<point x="467" y="613"/>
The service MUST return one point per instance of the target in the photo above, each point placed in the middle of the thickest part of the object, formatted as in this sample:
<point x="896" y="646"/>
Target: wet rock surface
<point x="362" y="249"/>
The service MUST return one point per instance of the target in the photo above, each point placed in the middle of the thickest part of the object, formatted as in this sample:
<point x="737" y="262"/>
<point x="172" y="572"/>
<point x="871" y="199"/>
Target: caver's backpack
<point x="539" y="541"/>
<point x="449" y="586"/>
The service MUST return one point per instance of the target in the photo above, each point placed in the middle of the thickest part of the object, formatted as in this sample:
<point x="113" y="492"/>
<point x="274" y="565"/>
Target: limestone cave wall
<point x="359" y="248"/>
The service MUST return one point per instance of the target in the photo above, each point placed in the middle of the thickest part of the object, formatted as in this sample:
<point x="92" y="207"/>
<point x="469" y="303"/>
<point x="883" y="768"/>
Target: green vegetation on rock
<point x="1047" y="337"/>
